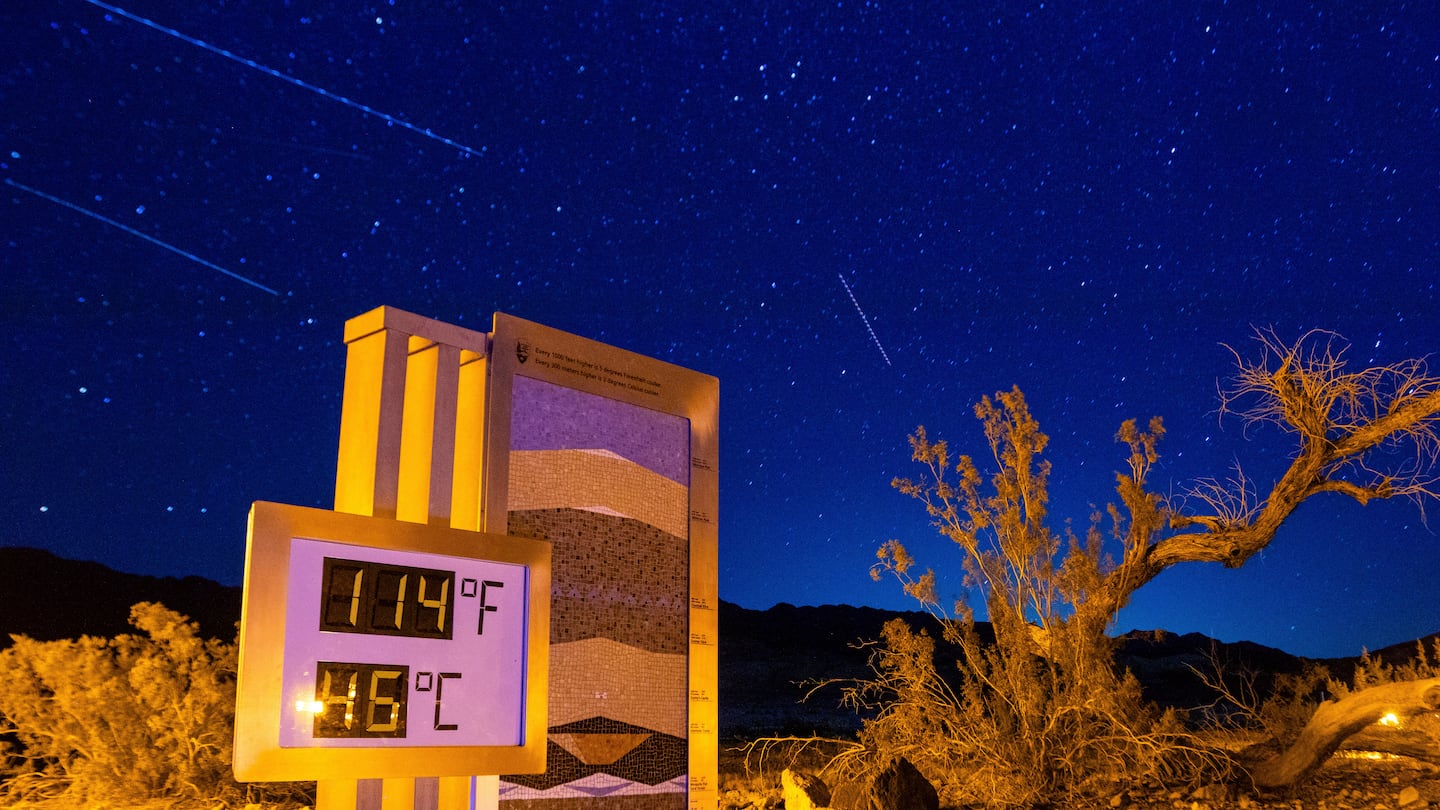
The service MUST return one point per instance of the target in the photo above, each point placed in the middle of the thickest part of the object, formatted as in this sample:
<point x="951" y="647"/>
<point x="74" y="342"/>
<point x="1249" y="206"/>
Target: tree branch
<point x="1338" y="416"/>
<point x="1397" y="741"/>
<point x="1336" y="720"/>
<point x="1359" y="493"/>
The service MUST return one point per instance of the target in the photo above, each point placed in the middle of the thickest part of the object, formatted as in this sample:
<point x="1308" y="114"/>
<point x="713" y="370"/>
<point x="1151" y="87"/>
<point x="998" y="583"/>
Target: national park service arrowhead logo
<point x="522" y="351"/>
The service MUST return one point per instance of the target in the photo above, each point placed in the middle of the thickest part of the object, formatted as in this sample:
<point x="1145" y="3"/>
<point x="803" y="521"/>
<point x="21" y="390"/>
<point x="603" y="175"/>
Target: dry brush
<point x="1041" y="714"/>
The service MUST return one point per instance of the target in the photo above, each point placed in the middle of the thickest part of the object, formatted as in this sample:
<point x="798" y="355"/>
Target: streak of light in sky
<point x="304" y="85"/>
<point x="866" y="320"/>
<point x="148" y="238"/>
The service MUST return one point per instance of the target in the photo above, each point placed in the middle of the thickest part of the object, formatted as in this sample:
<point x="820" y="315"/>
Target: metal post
<point x="410" y="430"/>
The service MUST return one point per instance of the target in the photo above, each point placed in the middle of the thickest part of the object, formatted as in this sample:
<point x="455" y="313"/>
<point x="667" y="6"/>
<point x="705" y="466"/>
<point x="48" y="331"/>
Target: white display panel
<point x="401" y="648"/>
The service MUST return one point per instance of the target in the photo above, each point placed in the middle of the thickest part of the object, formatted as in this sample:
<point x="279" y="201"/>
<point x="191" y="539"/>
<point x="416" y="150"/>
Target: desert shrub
<point x="1374" y="671"/>
<point x="998" y="732"/>
<point x="124" y="721"/>
<point x="1039" y="714"/>
<point x="1424" y="665"/>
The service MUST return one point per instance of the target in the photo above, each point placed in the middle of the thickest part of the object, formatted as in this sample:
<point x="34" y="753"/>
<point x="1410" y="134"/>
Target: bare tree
<point x="1369" y="433"/>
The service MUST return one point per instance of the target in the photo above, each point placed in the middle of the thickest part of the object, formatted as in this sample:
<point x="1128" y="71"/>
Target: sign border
<point x="258" y="755"/>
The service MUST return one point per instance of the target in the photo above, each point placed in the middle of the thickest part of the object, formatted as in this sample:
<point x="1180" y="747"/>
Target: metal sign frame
<point x="259" y="755"/>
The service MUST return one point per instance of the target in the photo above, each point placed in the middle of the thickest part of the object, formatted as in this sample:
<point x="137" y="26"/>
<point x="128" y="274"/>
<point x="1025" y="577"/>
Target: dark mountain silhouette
<point x="769" y="659"/>
<point x="47" y="597"/>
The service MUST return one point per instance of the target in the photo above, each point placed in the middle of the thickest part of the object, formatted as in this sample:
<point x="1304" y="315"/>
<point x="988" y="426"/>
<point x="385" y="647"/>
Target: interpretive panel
<point x="611" y="457"/>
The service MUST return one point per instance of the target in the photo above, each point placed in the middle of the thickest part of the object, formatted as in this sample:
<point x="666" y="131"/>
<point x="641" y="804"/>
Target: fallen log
<point x="1398" y="741"/>
<point x="1335" y="721"/>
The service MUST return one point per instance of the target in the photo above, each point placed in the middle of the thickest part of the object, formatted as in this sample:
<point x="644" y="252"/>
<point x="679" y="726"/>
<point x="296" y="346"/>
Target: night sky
<point x="860" y="216"/>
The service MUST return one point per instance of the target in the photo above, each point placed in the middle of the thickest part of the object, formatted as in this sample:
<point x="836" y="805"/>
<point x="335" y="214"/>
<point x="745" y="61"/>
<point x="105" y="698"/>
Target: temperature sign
<point x="388" y="647"/>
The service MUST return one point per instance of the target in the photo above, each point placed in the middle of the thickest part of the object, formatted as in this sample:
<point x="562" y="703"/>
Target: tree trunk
<point x="1335" y="721"/>
<point x="1398" y="741"/>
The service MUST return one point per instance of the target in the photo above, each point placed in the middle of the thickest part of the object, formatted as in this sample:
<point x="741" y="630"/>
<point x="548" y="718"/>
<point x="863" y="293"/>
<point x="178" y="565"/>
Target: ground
<point x="1342" y="784"/>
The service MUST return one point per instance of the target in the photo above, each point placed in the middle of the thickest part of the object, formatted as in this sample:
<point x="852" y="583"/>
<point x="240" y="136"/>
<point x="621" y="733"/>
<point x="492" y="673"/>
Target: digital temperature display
<point x="369" y="631"/>
<point x="365" y="597"/>
<point x="398" y="648"/>
<point x="361" y="700"/>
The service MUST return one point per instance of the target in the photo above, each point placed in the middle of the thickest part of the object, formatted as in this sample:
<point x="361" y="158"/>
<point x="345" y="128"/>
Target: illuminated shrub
<point x="121" y="721"/>
<point x="1038" y="714"/>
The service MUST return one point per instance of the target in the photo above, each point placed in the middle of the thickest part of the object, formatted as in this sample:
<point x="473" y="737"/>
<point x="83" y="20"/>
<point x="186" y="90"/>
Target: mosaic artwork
<point x="607" y="483"/>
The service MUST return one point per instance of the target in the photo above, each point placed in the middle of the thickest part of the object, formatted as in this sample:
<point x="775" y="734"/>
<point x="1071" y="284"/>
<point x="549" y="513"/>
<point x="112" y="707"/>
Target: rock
<point x="803" y="791"/>
<point x="1409" y="797"/>
<point x="1118" y="800"/>
<point x="898" y="786"/>
<point x="901" y="787"/>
